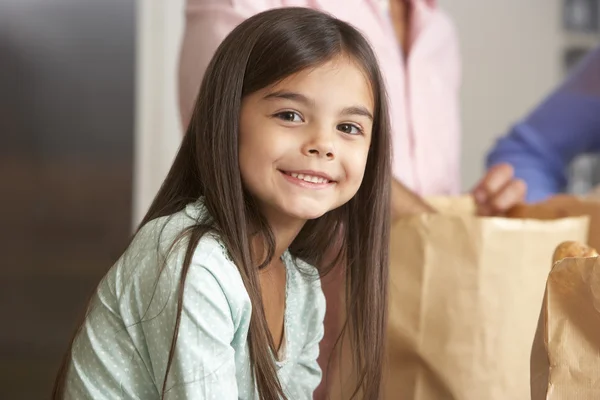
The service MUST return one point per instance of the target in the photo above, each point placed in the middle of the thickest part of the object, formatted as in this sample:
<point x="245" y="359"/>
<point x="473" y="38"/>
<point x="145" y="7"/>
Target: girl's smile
<point x="309" y="179"/>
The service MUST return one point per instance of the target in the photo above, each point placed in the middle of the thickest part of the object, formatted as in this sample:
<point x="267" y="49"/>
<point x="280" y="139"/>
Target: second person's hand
<point x="498" y="191"/>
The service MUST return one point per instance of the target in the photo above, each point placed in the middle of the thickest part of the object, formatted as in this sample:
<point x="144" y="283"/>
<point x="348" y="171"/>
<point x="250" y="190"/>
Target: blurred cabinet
<point x="66" y="144"/>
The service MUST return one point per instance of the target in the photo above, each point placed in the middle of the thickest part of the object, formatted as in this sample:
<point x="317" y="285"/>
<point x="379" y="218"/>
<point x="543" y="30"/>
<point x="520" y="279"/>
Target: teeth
<point x="309" y="178"/>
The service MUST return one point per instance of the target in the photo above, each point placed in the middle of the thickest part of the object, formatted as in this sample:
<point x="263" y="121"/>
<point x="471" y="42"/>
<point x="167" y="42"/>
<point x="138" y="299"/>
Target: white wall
<point x="512" y="57"/>
<point x="157" y="128"/>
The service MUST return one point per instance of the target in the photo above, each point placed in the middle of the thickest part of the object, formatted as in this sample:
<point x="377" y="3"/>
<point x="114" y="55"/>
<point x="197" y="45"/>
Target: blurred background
<point x="89" y="125"/>
<point x="66" y="167"/>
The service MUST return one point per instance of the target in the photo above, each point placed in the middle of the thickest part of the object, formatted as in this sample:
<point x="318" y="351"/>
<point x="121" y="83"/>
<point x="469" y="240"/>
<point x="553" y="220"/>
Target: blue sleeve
<point x="565" y="125"/>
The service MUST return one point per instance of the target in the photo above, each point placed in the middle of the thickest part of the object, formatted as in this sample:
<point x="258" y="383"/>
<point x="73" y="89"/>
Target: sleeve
<point x="207" y="23"/>
<point x="563" y="126"/>
<point x="307" y="375"/>
<point x="103" y="361"/>
<point x="203" y="365"/>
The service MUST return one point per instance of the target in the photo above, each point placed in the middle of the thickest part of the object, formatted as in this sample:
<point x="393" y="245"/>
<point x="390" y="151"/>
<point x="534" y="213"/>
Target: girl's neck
<point x="284" y="233"/>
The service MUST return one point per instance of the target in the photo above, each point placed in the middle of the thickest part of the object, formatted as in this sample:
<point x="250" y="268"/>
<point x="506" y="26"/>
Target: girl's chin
<point x="307" y="215"/>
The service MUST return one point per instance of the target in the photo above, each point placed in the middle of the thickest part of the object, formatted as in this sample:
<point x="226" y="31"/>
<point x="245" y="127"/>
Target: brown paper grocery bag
<point x="465" y="295"/>
<point x="564" y="205"/>
<point x="459" y="205"/>
<point x="565" y="358"/>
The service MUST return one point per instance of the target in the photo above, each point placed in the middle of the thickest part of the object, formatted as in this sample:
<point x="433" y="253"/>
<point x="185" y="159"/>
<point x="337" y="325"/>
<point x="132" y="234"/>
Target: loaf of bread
<point x="573" y="249"/>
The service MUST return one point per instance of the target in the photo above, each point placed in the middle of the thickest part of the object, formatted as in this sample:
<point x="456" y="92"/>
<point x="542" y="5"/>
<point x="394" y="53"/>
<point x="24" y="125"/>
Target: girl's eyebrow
<point x="293" y="96"/>
<point x="357" y="110"/>
<point x="300" y="98"/>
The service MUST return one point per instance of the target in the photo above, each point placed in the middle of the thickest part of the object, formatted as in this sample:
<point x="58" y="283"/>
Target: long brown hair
<point x="261" y="51"/>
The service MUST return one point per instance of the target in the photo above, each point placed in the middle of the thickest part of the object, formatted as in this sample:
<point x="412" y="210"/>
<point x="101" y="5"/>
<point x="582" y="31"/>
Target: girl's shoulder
<point x="169" y="234"/>
<point x="159" y="248"/>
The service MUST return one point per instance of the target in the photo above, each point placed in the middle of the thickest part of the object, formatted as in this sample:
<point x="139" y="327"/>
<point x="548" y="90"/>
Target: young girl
<point x="286" y="164"/>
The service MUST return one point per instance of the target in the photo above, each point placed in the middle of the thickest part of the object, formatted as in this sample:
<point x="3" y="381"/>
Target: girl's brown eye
<point x="289" y="116"/>
<point x="350" y="129"/>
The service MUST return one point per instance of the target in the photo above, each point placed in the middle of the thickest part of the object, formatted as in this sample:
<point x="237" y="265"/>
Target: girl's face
<point x="304" y="142"/>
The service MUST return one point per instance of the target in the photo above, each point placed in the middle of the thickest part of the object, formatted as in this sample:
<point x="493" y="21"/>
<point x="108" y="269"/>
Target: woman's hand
<point x="498" y="191"/>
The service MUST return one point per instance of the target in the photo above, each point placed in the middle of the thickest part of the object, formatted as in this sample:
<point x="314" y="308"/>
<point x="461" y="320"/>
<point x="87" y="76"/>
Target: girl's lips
<point x="309" y="175"/>
<point x="311" y="181"/>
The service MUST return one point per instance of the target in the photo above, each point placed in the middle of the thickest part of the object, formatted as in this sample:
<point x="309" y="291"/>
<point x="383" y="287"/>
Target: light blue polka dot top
<point x="122" y="349"/>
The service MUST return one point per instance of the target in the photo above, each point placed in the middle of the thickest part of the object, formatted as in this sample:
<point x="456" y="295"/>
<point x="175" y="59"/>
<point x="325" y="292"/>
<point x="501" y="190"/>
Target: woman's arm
<point x="565" y="125"/>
